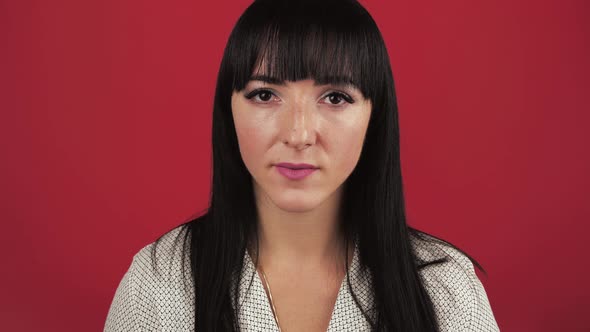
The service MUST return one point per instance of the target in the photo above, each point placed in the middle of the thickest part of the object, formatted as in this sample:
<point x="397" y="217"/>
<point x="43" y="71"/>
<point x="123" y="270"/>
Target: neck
<point x="307" y="239"/>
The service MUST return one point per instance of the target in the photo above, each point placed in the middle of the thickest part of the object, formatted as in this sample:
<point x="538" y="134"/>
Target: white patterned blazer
<point x="146" y="301"/>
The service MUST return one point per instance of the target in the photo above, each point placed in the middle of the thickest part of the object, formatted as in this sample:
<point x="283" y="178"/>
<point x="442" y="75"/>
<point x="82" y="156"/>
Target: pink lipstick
<point x="295" y="171"/>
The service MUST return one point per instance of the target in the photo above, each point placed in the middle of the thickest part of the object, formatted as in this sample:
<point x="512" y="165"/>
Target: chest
<point x="311" y="304"/>
<point x="305" y="305"/>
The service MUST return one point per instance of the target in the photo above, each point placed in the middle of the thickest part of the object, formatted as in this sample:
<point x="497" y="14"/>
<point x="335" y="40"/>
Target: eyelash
<point x="342" y="95"/>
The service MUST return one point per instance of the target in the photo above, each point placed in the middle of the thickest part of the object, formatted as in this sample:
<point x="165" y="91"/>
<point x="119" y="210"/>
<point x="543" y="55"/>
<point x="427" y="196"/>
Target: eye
<point x="335" y="98"/>
<point x="260" y="95"/>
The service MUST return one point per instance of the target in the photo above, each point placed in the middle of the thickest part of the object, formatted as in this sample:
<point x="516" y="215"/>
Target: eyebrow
<point x="335" y="80"/>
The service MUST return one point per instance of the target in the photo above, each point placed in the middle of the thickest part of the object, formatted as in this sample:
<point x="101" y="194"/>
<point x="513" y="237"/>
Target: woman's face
<point x="299" y="122"/>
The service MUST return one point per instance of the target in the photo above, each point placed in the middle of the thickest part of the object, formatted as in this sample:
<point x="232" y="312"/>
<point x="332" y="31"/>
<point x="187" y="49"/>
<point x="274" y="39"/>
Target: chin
<point x="296" y="202"/>
<point x="296" y="208"/>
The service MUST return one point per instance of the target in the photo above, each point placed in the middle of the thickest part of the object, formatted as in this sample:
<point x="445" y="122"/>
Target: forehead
<point x="321" y="70"/>
<point x="334" y="80"/>
<point x="263" y="72"/>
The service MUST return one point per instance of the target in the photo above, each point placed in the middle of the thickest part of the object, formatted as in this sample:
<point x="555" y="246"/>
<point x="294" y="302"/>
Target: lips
<point x="296" y="166"/>
<point x="294" y="171"/>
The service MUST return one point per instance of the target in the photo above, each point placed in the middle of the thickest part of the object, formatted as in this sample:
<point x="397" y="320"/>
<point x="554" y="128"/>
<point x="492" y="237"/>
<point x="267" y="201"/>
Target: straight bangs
<point x="331" y="42"/>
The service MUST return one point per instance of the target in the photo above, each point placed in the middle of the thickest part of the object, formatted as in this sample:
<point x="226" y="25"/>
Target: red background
<point x="105" y="144"/>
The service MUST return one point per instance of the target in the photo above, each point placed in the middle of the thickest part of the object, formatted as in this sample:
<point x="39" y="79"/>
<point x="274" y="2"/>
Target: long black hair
<point x="329" y="41"/>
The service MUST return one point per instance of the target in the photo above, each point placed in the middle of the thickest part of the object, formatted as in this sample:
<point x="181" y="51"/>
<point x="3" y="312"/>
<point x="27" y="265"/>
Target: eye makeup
<point x="342" y="95"/>
<point x="268" y="94"/>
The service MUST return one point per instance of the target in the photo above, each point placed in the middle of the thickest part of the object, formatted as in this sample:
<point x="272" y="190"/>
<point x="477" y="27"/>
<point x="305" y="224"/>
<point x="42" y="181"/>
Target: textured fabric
<point x="149" y="301"/>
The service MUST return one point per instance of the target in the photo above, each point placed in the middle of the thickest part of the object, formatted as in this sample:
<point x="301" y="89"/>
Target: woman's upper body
<point x="306" y="160"/>
<point x="163" y="300"/>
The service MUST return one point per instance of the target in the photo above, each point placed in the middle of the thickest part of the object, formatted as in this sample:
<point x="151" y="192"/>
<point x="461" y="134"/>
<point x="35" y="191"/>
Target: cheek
<point x="252" y="139"/>
<point x="346" y="149"/>
<point x="349" y="148"/>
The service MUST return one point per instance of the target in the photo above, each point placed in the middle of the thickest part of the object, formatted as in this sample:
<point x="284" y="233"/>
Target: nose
<point x="299" y="130"/>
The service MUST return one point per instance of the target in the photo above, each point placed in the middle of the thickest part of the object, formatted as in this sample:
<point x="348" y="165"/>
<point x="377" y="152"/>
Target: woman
<point x="306" y="228"/>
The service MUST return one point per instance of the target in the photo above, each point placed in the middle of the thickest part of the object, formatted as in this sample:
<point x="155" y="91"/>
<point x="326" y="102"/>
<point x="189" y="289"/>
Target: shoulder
<point x="165" y="256"/>
<point x="459" y="298"/>
<point x="155" y="290"/>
